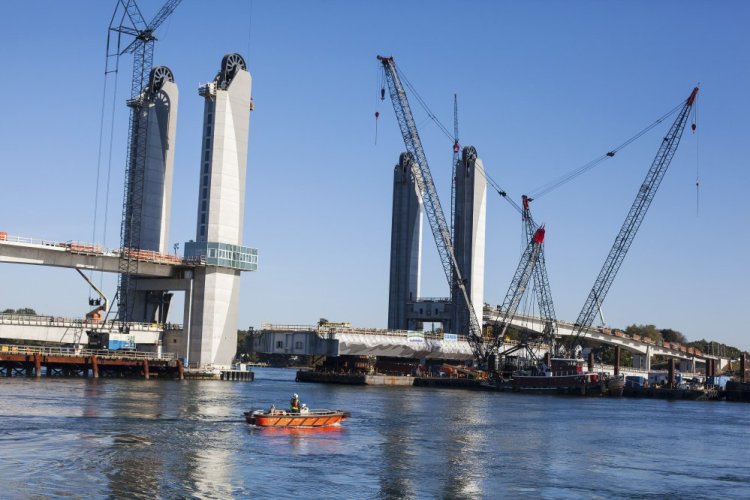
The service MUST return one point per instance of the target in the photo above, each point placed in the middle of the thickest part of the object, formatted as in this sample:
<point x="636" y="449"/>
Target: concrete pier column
<point x="37" y="365"/>
<point x="743" y="367"/>
<point x="180" y="369"/>
<point x="94" y="367"/>
<point x="145" y="369"/>
<point x="617" y="360"/>
<point x="671" y="371"/>
<point x="591" y="362"/>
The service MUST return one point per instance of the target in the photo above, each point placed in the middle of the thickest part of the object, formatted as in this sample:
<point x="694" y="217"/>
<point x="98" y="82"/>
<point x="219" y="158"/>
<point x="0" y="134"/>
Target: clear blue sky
<point x="543" y="88"/>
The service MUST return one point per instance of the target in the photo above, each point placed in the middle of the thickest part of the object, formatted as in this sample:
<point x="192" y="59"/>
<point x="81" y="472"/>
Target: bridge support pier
<point x="671" y="371"/>
<point x="591" y="361"/>
<point x="617" y="360"/>
<point x="37" y="365"/>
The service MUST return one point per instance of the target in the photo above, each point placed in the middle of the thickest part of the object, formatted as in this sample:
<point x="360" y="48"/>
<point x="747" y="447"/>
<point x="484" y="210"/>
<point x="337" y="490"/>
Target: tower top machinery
<point x="127" y="21"/>
<point x="432" y="207"/>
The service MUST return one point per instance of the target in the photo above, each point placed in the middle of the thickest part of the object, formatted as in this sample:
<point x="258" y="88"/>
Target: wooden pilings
<point x="617" y="360"/>
<point x="237" y="375"/>
<point x="34" y="362"/>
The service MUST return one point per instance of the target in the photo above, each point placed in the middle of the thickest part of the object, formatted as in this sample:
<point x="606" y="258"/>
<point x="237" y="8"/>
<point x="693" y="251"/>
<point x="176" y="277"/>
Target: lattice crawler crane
<point x="128" y="21"/>
<point x="432" y="207"/>
<point x="633" y="220"/>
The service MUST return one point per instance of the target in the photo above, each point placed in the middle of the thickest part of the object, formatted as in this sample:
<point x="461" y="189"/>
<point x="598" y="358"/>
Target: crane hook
<point x="382" y="93"/>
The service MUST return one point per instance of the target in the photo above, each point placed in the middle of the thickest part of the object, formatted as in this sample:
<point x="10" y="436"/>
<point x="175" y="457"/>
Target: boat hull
<point x="315" y="418"/>
<point x="582" y="384"/>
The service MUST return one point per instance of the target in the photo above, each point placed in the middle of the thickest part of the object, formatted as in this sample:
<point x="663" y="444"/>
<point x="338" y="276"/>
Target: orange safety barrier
<point x="3" y="236"/>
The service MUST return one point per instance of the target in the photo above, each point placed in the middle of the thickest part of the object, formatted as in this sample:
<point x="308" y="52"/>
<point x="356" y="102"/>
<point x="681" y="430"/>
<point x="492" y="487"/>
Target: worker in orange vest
<point x="294" y="404"/>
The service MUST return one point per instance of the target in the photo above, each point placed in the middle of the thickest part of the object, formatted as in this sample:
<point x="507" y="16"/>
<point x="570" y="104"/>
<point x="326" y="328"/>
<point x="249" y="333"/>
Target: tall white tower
<point x="221" y="205"/>
<point x="160" y="105"/>
<point x="469" y="235"/>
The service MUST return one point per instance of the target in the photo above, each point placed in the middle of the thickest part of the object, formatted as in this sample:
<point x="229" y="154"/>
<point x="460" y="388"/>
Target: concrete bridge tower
<point x="406" y="309"/>
<point x="468" y="236"/>
<point x="159" y="102"/>
<point x="221" y="205"/>
<point x="406" y="245"/>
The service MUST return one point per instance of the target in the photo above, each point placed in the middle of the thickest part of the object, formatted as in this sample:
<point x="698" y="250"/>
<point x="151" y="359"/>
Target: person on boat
<point x="303" y="409"/>
<point x="272" y="410"/>
<point x="294" y="404"/>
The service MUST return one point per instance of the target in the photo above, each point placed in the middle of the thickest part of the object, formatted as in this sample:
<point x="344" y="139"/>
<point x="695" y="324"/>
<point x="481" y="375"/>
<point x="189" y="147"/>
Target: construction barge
<point x="34" y="361"/>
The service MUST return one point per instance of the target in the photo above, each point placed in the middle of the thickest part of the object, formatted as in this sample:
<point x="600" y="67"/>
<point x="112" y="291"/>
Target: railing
<point x="288" y="328"/>
<point x="57" y="321"/>
<point x="93" y="249"/>
<point x="80" y="352"/>
<point x="336" y="330"/>
<point x="609" y="332"/>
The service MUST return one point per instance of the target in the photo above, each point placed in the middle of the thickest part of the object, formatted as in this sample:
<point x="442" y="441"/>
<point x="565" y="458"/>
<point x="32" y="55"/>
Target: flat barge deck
<point x="739" y="391"/>
<point x="33" y="361"/>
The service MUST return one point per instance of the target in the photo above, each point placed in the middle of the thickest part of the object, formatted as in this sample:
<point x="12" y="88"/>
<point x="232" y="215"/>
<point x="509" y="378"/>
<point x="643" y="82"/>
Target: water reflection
<point x="398" y="448"/>
<point x="149" y="439"/>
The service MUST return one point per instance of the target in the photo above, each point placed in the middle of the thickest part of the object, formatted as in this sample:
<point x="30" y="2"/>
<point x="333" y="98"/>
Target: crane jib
<point x="633" y="220"/>
<point x="432" y="207"/>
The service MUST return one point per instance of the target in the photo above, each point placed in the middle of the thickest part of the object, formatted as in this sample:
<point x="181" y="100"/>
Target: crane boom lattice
<point x="541" y="280"/>
<point x="432" y="207"/>
<point x="635" y="216"/>
<point x="525" y="270"/>
<point x="131" y="23"/>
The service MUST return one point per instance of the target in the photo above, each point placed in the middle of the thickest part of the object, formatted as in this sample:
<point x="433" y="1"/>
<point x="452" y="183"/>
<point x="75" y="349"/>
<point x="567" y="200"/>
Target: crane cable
<point x="500" y="191"/>
<point x="546" y="188"/>
<point x="99" y="162"/>
<point x="552" y="185"/>
<point x="694" y="127"/>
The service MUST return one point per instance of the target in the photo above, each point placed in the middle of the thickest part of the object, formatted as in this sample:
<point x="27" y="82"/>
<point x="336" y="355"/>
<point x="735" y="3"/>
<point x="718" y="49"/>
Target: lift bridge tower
<point x="407" y="309"/>
<point x="150" y="156"/>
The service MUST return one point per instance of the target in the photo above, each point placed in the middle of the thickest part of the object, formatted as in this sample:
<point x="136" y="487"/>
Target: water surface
<point x="85" y="438"/>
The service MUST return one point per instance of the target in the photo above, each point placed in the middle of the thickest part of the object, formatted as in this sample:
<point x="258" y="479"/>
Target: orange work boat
<point x="280" y="418"/>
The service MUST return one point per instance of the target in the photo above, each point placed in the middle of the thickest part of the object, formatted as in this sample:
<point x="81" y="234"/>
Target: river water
<point x="115" y="438"/>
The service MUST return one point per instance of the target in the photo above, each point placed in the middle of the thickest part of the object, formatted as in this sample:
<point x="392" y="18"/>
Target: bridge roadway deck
<point x="338" y="341"/>
<point x="604" y="336"/>
<point x="91" y="257"/>
<point x="69" y="331"/>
